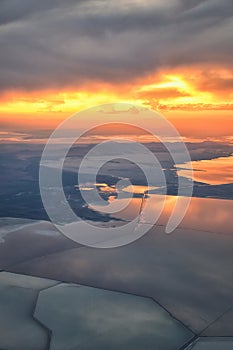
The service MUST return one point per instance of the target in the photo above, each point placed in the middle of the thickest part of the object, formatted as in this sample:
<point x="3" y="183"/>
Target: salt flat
<point x="188" y="274"/>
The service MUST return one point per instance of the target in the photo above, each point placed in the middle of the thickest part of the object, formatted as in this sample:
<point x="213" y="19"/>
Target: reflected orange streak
<point x="203" y="214"/>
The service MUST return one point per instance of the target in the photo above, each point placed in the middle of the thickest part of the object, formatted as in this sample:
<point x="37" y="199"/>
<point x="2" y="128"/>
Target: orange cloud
<point x="207" y="93"/>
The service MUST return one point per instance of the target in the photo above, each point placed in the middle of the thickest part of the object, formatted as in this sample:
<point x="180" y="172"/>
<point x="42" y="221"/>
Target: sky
<point x="59" y="57"/>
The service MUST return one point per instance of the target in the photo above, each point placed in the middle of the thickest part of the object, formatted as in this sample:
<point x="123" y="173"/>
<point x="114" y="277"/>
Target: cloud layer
<point x="56" y="44"/>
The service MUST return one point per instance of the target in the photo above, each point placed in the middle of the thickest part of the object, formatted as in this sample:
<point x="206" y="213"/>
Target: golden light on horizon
<point x="171" y="93"/>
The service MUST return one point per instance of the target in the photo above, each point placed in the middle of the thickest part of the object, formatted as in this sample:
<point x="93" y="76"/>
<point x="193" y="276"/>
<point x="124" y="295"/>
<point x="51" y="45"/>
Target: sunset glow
<point x="169" y="93"/>
<point x="150" y="53"/>
<point x="116" y="181"/>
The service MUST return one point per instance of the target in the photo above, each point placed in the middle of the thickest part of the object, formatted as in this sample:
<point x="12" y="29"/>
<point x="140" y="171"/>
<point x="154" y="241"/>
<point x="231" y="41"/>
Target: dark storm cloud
<point x="60" y="43"/>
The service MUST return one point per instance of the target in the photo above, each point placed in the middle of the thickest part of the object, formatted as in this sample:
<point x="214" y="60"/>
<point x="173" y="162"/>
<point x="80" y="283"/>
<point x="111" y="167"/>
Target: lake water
<point x="214" y="171"/>
<point x="206" y="214"/>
